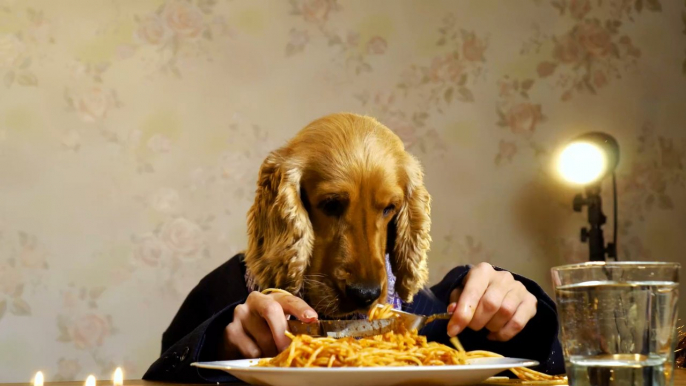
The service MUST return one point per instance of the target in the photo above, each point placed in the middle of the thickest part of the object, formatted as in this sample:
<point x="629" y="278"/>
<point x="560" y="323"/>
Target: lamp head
<point x="588" y="158"/>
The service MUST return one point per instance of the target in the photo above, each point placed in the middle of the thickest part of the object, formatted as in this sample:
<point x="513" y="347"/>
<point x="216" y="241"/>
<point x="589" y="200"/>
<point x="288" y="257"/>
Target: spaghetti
<point x="385" y="312"/>
<point x="403" y="348"/>
<point x="390" y="349"/>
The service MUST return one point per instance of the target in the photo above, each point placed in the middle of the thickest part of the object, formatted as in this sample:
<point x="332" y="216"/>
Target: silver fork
<point x="413" y="321"/>
<point x="362" y="328"/>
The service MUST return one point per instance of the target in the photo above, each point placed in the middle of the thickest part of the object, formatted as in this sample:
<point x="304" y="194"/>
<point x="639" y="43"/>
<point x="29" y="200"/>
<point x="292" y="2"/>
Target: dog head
<point x="329" y="206"/>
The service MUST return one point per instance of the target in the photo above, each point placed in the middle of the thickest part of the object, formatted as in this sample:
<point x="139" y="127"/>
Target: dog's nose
<point x="362" y="295"/>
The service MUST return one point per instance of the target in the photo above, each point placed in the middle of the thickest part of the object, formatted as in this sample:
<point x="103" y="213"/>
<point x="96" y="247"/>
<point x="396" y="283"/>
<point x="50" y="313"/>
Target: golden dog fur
<point x="330" y="204"/>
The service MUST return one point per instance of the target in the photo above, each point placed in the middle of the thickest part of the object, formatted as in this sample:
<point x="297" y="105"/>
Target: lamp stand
<point x="596" y="219"/>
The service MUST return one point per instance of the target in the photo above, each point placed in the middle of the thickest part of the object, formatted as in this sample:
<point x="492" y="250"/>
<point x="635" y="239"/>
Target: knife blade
<point x="342" y="328"/>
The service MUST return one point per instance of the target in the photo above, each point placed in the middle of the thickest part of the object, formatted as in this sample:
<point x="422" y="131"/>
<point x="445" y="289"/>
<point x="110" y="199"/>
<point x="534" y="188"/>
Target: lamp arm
<point x="596" y="219"/>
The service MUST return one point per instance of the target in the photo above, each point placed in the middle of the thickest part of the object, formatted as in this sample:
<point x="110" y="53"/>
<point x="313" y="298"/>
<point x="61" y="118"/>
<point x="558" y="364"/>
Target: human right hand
<point x="259" y="325"/>
<point x="493" y="300"/>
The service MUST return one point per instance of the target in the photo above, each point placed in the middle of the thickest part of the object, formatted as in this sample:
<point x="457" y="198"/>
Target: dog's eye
<point x="332" y="207"/>
<point x="388" y="210"/>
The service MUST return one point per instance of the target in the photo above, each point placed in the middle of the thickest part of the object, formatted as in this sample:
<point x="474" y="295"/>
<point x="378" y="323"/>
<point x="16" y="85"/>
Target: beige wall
<point x="131" y="133"/>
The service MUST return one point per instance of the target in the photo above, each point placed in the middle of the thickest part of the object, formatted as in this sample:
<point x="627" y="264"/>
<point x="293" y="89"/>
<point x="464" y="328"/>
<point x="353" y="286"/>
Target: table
<point x="679" y="380"/>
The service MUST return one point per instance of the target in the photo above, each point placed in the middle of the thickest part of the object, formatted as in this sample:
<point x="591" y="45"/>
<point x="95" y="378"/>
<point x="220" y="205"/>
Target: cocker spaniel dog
<point x="330" y="205"/>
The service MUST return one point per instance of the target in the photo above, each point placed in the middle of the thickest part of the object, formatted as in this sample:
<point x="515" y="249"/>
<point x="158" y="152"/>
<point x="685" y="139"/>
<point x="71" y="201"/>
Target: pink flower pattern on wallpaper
<point x="594" y="51"/>
<point x="176" y="241"/>
<point x="410" y="125"/>
<point x="179" y="239"/>
<point x="584" y="59"/>
<point x="352" y="52"/>
<point x="515" y="111"/>
<point x="159" y="143"/>
<point x="19" y="51"/>
<point x="11" y="291"/>
<point x="183" y="237"/>
<point x="90" y="99"/>
<point x="67" y="369"/>
<point x="149" y="250"/>
<point x="185" y="191"/>
<point x="624" y="9"/>
<point x="82" y="324"/>
<point x="521" y="117"/>
<point x="89" y="331"/>
<point x="22" y="270"/>
<point x="93" y="103"/>
<point x="152" y="30"/>
<point x="178" y="30"/>
<point x="448" y="76"/>
<point x="184" y="19"/>
<point x="424" y="90"/>
<point x="465" y="249"/>
<point x="165" y="200"/>
<point x="315" y="11"/>
<point x="650" y="182"/>
<point x="87" y="328"/>
<point x="469" y="249"/>
<point x="587" y="57"/>
<point x="506" y="151"/>
<point x="297" y="42"/>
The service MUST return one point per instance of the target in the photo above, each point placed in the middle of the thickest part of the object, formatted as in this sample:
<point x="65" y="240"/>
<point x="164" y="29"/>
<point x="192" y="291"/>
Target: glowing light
<point x="90" y="381"/>
<point x="118" y="377"/>
<point x="582" y="163"/>
<point x="38" y="379"/>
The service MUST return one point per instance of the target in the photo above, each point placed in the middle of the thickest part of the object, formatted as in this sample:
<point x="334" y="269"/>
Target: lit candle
<point x="118" y="377"/>
<point x="38" y="379"/>
<point x="90" y="381"/>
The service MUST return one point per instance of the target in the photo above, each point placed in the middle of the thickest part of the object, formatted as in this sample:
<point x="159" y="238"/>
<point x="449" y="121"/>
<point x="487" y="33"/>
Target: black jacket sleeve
<point x="538" y="340"/>
<point x="199" y="345"/>
<point x="198" y="327"/>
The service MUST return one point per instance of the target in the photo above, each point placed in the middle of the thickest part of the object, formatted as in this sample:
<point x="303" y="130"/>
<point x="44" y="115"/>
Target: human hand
<point x="491" y="299"/>
<point x="259" y="325"/>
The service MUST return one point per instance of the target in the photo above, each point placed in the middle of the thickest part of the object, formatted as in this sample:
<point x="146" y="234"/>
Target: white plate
<point x="478" y="370"/>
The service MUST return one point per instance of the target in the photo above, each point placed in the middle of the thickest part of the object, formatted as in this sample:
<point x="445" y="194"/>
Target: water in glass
<point x="618" y="332"/>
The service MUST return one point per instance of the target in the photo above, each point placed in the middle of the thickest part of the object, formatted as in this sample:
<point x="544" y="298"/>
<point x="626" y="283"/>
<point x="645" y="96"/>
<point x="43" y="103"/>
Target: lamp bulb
<point x="582" y="163"/>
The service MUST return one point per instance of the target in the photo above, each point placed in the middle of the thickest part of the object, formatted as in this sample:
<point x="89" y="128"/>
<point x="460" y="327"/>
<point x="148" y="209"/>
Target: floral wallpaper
<point x="131" y="133"/>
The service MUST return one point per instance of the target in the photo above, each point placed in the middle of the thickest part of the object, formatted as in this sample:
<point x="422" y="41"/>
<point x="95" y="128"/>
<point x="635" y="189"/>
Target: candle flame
<point x="38" y="379"/>
<point x="90" y="381"/>
<point x="118" y="378"/>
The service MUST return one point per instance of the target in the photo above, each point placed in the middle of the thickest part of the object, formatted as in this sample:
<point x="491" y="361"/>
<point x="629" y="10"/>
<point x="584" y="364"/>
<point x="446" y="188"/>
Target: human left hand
<point x="491" y="299"/>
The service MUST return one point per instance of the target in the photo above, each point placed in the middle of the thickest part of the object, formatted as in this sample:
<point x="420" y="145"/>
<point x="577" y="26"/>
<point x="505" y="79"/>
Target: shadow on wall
<point x="543" y="210"/>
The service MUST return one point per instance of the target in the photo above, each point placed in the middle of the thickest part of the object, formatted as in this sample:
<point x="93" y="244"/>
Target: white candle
<point x="38" y="379"/>
<point x="90" y="381"/>
<point x="118" y="377"/>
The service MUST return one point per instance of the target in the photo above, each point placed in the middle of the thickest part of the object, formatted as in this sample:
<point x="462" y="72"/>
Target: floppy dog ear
<point x="280" y="235"/>
<point x="408" y="234"/>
